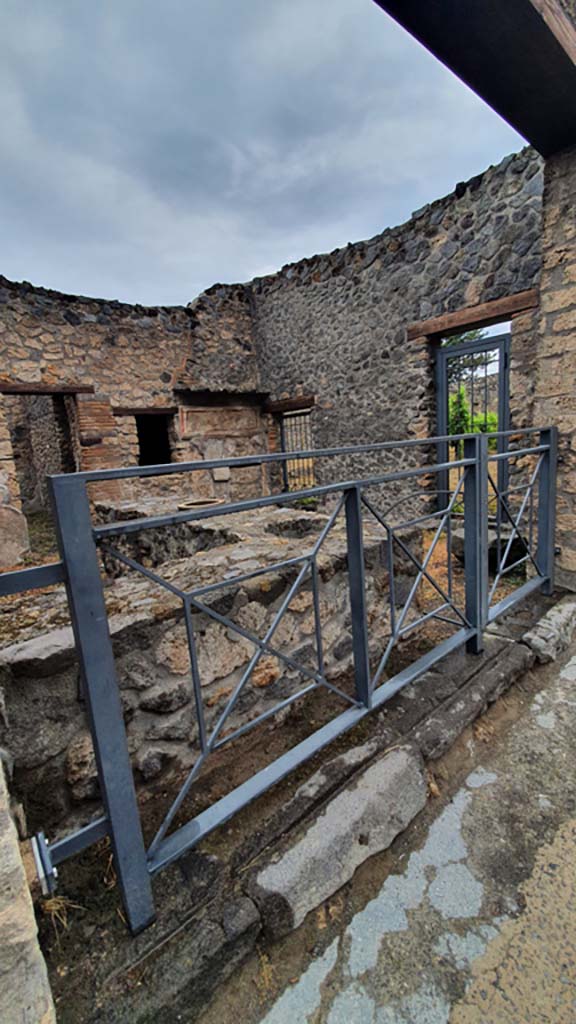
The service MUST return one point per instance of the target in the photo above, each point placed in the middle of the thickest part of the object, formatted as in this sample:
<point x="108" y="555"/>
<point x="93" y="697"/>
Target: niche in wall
<point x="153" y="439"/>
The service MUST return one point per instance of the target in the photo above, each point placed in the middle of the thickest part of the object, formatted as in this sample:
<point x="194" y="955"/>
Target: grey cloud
<point x="149" y="150"/>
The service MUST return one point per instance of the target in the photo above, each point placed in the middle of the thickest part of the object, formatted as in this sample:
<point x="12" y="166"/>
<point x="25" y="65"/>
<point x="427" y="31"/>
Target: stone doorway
<point x="43" y="437"/>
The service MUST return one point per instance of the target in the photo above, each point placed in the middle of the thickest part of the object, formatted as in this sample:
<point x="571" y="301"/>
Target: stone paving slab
<point x="470" y="918"/>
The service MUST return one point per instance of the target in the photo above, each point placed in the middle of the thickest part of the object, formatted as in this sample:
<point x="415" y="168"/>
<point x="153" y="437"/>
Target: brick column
<point x="555" y="391"/>
<point x="13" y="528"/>
<point x="99" y="448"/>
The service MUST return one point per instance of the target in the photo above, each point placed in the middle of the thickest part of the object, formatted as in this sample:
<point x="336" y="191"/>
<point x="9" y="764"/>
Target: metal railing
<point x="467" y="613"/>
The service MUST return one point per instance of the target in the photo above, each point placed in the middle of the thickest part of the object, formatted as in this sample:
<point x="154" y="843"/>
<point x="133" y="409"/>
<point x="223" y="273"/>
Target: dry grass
<point x="57" y="909"/>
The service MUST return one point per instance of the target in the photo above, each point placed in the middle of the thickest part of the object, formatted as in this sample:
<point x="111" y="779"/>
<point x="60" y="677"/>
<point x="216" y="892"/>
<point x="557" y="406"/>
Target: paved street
<point x="470" y="918"/>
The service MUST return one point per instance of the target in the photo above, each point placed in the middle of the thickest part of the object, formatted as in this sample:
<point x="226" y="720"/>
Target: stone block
<point x="552" y="634"/>
<point x="439" y="731"/>
<point x="24" y="989"/>
<point x="13" y="536"/>
<point x="165" y="697"/>
<point x="358" y="822"/>
<point x="81" y="770"/>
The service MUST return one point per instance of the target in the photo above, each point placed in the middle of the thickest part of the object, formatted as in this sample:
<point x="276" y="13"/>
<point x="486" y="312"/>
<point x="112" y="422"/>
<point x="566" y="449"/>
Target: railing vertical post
<point x="476" y="538"/>
<point x="357" y="586"/>
<point x="547" y="508"/>
<point x="94" y="647"/>
<point x="285" y="480"/>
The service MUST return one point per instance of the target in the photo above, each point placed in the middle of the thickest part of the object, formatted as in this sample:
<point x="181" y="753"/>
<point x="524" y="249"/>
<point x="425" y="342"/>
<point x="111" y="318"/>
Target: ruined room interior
<point x="455" y="322"/>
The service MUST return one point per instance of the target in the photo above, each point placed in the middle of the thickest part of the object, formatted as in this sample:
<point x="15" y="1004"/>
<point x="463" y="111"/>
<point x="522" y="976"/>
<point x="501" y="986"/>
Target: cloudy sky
<point x="149" y="149"/>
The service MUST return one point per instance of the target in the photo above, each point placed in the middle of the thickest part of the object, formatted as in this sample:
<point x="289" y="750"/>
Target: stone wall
<point x="25" y="996"/>
<point x="13" y="526"/>
<point x="222" y="354"/>
<point x="41" y="442"/>
<point x="133" y="357"/>
<point x="335" y="325"/>
<point x="555" y="379"/>
<point x="46" y="730"/>
<point x="132" y="354"/>
<point x="224" y="428"/>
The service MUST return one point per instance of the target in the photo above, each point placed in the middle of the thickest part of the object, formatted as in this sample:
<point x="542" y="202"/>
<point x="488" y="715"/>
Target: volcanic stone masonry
<point x="333" y="326"/>
<point x="42" y="715"/>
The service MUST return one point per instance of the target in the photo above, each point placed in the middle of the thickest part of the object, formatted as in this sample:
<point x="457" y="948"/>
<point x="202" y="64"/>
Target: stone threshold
<point x="260" y="875"/>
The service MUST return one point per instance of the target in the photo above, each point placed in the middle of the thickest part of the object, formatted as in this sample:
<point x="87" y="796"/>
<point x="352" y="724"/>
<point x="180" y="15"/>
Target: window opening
<point x="296" y="435"/>
<point x="153" y="439"/>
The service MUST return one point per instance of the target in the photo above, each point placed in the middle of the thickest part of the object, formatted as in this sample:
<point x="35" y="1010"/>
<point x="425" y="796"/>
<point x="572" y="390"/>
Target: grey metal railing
<point x="468" y="614"/>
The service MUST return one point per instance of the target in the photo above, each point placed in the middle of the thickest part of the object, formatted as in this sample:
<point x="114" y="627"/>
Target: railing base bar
<point x="518" y="595"/>
<point x="78" y="841"/>
<point x="20" y="580"/>
<point x="197" y="828"/>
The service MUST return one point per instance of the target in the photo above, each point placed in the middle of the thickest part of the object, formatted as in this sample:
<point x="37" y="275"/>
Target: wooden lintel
<point x="8" y="387"/>
<point x="144" y="410"/>
<point x="291" y="404"/>
<point x="483" y="315"/>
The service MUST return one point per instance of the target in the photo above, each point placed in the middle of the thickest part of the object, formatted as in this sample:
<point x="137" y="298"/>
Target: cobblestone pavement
<point x="470" y="918"/>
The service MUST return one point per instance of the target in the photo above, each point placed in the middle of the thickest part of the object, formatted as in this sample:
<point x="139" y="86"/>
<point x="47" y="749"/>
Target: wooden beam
<point x="518" y="55"/>
<point x="558" y="23"/>
<point x="483" y="315"/>
<point x="18" y="388"/>
<point x="291" y="404"/>
<point x="144" y="410"/>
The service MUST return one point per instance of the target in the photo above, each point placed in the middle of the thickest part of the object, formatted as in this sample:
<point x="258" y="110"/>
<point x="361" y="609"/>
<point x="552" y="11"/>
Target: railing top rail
<point x="123" y="526"/>
<point x="517" y="452"/>
<point x="126" y="472"/>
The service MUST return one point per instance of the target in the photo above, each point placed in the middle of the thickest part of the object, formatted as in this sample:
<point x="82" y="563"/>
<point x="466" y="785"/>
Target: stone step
<point x="356" y="823"/>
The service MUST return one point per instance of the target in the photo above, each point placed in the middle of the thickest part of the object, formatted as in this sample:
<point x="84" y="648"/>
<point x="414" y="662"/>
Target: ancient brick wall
<point x="555" y="379"/>
<point x="132" y="356"/>
<point x="333" y="325"/>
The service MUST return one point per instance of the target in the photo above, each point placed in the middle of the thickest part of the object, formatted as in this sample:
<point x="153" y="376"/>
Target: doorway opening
<point x="296" y="435"/>
<point x="473" y="394"/>
<point x="154" y="447"/>
<point x="42" y="433"/>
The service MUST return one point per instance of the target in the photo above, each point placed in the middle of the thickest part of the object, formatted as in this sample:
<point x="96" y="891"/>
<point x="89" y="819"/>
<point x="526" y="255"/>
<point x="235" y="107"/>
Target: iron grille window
<point x="296" y="435"/>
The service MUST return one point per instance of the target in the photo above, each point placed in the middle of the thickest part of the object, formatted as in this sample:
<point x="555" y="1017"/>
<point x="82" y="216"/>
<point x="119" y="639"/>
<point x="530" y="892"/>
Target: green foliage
<point x="487" y="424"/>
<point x="464" y="366"/>
<point x="459" y="420"/>
<point x="307" y="504"/>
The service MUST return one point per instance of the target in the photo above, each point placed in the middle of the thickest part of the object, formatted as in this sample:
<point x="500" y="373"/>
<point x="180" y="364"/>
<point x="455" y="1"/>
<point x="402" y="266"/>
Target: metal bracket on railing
<point x="47" y="872"/>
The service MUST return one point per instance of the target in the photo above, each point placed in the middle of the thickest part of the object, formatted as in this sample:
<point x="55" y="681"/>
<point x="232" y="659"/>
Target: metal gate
<point x="467" y="614"/>
<point x="475" y="376"/>
<point x="296" y="436"/>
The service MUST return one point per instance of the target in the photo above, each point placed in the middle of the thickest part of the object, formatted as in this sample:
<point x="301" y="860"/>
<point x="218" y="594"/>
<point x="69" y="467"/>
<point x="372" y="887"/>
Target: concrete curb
<point x="359" y="821"/>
